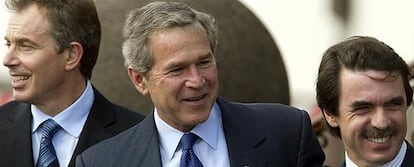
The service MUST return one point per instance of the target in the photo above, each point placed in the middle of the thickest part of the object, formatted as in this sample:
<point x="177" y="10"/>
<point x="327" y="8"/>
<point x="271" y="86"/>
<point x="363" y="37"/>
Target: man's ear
<point x="138" y="80"/>
<point x="331" y="119"/>
<point x="74" y="56"/>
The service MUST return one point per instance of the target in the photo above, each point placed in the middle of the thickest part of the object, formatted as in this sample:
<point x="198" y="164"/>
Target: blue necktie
<point x="188" y="158"/>
<point x="47" y="154"/>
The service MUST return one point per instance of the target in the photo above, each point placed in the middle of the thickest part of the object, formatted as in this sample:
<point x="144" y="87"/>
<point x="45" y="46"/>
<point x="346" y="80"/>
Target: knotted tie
<point x="47" y="154"/>
<point x="188" y="158"/>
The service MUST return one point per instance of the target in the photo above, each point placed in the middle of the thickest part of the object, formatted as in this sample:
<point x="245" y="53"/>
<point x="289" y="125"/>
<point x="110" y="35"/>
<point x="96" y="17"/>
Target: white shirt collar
<point x="72" y="118"/>
<point x="207" y="131"/>
<point x="397" y="161"/>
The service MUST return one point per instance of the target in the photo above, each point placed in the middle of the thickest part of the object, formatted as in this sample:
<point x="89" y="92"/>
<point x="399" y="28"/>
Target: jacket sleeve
<point x="310" y="151"/>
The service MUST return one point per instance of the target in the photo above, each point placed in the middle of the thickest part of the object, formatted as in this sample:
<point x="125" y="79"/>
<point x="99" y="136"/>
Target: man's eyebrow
<point x="398" y="99"/>
<point x="177" y="64"/>
<point x="207" y="55"/>
<point x="21" y="40"/>
<point x="357" y="104"/>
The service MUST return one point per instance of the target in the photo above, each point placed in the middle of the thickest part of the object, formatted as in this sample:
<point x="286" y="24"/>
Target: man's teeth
<point x="19" y="78"/>
<point x="378" y="139"/>
<point x="195" y="98"/>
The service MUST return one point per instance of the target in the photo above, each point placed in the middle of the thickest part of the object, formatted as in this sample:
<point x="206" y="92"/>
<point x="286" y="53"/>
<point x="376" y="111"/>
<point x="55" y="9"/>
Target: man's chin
<point x="380" y="158"/>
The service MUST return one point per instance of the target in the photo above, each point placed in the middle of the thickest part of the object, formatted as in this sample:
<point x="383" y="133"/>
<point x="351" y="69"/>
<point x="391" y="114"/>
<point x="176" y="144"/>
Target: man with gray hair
<point x="169" y="51"/>
<point x="52" y="47"/>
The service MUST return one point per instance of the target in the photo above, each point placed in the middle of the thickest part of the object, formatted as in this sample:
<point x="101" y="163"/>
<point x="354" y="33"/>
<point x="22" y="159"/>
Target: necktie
<point x="47" y="154"/>
<point x="188" y="158"/>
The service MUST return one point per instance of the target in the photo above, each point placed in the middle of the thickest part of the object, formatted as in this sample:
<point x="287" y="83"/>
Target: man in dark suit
<point x="363" y="90"/>
<point x="52" y="49"/>
<point x="169" y="51"/>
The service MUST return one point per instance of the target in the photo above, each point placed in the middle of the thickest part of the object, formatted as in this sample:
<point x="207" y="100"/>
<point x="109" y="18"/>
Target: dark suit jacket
<point x="408" y="159"/>
<point x="105" y="120"/>
<point x="256" y="134"/>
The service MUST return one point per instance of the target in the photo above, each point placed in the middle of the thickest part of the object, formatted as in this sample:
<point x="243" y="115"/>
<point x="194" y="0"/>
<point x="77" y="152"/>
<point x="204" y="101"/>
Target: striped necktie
<point x="47" y="154"/>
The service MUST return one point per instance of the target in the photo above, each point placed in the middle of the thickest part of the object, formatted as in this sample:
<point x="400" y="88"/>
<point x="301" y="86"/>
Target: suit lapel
<point x="243" y="142"/>
<point x="18" y="140"/>
<point x="18" y="144"/>
<point x="100" y="117"/>
<point x="144" y="149"/>
<point x="409" y="156"/>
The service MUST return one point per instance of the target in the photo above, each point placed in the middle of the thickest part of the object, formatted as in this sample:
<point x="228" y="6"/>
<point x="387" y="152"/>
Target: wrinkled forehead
<point x="388" y="76"/>
<point x="30" y="18"/>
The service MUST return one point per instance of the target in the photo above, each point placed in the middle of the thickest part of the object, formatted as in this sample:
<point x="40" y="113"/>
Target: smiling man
<point x="363" y="89"/>
<point x="169" y="50"/>
<point x="52" y="48"/>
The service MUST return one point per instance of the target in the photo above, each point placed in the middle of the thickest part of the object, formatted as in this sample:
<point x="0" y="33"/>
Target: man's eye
<point x="25" y="47"/>
<point x="205" y="63"/>
<point x="175" y="70"/>
<point x="398" y="103"/>
<point x="7" y="44"/>
<point x="361" y="109"/>
<point x="395" y="105"/>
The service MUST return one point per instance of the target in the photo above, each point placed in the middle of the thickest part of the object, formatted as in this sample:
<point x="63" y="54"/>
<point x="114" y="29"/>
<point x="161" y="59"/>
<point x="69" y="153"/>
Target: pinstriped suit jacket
<point x="257" y="135"/>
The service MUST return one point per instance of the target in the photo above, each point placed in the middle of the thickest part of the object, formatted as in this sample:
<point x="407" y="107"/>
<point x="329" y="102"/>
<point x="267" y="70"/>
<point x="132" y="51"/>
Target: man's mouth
<point x="18" y="78"/>
<point x="195" y="98"/>
<point x="378" y="140"/>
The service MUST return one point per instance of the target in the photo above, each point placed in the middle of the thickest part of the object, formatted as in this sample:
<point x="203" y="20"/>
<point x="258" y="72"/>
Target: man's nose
<point x="10" y="58"/>
<point x="195" y="78"/>
<point x="380" y="119"/>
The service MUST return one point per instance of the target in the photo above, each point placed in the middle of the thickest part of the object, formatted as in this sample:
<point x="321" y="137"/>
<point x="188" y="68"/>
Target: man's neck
<point x="63" y="97"/>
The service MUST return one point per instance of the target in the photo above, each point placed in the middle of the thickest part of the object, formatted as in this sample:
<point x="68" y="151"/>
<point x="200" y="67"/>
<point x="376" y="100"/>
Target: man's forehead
<point x="389" y="76"/>
<point x="28" y="22"/>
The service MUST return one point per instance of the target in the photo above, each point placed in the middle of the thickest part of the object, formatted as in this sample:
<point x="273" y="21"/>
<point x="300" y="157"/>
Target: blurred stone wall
<point x="250" y="66"/>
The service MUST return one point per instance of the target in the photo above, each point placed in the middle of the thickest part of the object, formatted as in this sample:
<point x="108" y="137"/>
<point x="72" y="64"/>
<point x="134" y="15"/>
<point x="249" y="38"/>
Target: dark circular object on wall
<point x="249" y="63"/>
